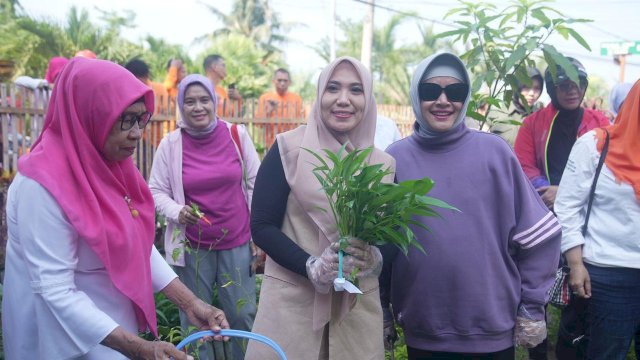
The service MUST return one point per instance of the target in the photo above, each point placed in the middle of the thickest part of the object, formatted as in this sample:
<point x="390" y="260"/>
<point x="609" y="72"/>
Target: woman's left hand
<point x="530" y="333"/>
<point x="207" y="317"/>
<point x="363" y="256"/>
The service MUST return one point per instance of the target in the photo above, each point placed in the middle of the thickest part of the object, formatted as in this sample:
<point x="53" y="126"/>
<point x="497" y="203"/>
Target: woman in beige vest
<point x="291" y="221"/>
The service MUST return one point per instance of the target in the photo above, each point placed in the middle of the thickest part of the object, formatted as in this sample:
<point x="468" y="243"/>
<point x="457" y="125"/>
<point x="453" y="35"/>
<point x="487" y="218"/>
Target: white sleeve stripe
<point x="535" y="227"/>
<point x="540" y="231"/>
<point x="557" y="228"/>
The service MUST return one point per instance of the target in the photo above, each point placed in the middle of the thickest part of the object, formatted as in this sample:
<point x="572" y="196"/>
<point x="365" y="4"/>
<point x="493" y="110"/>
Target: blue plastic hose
<point x="233" y="333"/>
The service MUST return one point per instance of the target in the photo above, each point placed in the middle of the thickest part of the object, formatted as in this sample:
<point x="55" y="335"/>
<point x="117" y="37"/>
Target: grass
<point x="521" y="353"/>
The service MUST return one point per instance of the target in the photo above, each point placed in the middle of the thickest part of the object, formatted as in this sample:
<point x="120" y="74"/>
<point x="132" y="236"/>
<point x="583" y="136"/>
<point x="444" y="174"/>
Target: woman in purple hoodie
<point x="481" y="288"/>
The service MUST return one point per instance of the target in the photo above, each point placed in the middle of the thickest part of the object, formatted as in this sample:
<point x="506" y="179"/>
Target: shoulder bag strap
<point x="236" y="138"/>
<point x="603" y="154"/>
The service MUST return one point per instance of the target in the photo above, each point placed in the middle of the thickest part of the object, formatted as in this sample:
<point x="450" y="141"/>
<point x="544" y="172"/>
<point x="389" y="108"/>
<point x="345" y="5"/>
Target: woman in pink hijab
<point x="81" y="267"/>
<point x="299" y="308"/>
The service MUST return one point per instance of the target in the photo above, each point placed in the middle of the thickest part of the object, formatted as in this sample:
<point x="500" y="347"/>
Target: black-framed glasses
<point x="128" y="120"/>
<point x="431" y="92"/>
<point x="569" y="85"/>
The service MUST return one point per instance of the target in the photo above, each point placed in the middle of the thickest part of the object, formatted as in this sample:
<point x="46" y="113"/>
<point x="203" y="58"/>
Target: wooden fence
<point x="22" y="115"/>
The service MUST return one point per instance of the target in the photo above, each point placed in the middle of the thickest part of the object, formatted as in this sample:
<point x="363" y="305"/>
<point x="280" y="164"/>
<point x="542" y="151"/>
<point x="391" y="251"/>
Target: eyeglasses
<point x="431" y="92"/>
<point x="569" y="85"/>
<point x="128" y="120"/>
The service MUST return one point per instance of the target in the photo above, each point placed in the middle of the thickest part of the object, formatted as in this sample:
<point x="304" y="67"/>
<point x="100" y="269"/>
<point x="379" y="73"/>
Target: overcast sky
<point x="182" y="21"/>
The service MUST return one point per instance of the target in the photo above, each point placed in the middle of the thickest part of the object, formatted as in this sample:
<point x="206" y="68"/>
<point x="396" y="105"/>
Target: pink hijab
<point x="55" y="66"/>
<point x="87" y="101"/>
<point x="298" y="167"/>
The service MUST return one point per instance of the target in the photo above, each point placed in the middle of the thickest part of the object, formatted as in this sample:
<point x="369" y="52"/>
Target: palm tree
<point x="8" y="7"/>
<point x="35" y="41"/>
<point x="255" y="20"/>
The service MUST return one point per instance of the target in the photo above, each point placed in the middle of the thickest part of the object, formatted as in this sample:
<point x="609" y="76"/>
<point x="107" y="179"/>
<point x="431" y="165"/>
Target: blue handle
<point x="340" y="255"/>
<point x="233" y="333"/>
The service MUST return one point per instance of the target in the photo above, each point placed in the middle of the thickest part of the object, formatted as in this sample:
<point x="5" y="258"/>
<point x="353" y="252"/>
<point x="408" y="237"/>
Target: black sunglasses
<point x="431" y="92"/>
<point x="569" y="85"/>
<point x="128" y="120"/>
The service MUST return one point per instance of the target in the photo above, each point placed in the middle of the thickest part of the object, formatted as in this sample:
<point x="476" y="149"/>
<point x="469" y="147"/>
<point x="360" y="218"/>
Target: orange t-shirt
<point x="158" y="130"/>
<point x="288" y="106"/>
<point x="160" y="93"/>
<point x="227" y="108"/>
<point x="171" y="82"/>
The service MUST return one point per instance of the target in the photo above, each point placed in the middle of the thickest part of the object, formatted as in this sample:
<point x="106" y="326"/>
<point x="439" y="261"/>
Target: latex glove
<point x="530" y="333"/>
<point x="389" y="334"/>
<point x="365" y="257"/>
<point x="321" y="270"/>
<point x="159" y="350"/>
<point x="207" y="317"/>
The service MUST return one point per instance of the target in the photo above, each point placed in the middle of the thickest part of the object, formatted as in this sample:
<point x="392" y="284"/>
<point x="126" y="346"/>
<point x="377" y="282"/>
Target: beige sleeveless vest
<point x="286" y="304"/>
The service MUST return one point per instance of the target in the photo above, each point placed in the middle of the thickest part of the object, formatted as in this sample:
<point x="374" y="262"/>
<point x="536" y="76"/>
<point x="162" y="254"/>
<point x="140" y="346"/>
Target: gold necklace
<point x="134" y="212"/>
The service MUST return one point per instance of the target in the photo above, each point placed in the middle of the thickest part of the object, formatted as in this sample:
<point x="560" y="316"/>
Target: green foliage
<point x="159" y="52"/>
<point x="503" y="43"/>
<point x="168" y="321"/>
<point x="598" y="91"/>
<point x="369" y="209"/>
<point x="32" y="42"/>
<point x="302" y="84"/>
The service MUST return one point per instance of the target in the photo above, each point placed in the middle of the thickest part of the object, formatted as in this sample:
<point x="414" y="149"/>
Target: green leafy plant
<point x="503" y="43"/>
<point x="369" y="209"/>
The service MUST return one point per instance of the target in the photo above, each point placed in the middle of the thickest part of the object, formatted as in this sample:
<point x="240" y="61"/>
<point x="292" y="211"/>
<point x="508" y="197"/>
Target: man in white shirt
<point x="386" y="133"/>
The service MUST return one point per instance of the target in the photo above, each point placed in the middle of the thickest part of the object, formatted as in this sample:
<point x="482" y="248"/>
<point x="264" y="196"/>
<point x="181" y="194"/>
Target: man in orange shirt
<point x="280" y="104"/>
<point x="229" y="103"/>
<point x="175" y="73"/>
<point x="140" y="70"/>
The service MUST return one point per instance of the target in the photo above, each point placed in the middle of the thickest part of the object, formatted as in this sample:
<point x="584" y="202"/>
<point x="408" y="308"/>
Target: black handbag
<point x="560" y="294"/>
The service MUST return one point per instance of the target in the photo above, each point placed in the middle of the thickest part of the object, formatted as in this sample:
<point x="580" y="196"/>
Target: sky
<point x="182" y="21"/>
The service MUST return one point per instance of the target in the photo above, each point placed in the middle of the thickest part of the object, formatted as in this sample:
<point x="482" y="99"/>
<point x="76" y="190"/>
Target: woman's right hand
<point x="159" y="350"/>
<point x="186" y="217"/>
<point x="321" y="270"/>
<point x="579" y="280"/>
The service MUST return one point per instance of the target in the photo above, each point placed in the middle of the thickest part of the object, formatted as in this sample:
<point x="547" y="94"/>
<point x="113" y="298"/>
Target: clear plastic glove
<point x="389" y="334"/>
<point x="530" y="333"/>
<point x="321" y="270"/>
<point x="362" y="256"/>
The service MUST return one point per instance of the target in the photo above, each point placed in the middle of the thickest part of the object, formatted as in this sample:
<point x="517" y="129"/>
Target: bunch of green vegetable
<point x="366" y="208"/>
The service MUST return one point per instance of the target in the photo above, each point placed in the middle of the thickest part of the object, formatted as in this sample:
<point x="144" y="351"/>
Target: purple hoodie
<point x="499" y="253"/>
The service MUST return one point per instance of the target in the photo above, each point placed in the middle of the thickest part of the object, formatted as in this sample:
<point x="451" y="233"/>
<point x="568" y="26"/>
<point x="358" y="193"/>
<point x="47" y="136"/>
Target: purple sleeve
<point x="537" y="235"/>
<point x="537" y="267"/>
